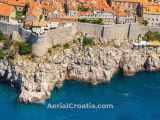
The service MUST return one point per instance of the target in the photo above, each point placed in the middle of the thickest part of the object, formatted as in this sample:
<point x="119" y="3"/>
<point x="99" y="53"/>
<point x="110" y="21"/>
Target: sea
<point x="132" y="98"/>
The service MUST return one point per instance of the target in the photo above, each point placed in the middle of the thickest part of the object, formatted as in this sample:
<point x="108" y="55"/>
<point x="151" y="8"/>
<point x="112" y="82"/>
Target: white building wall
<point x="72" y="13"/>
<point x="153" y="19"/>
<point x="99" y="15"/>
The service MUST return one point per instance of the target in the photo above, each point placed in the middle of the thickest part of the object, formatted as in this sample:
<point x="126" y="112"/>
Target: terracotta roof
<point x="14" y="2"/>
<point x="72" y="5"/>
<point x="120" y="12"/>
<point x="89" y="6"/>
<point x="133" y="1"/>
<point x="85" y="13"/>
<point x="47" y="6"/>
<point x="34" y="9"/>
<point x="6" y="10"/>
<point x="151" y="8"/>
<point x="127" y="0"/>
<point x="97" y="4"/>
<point x="85" y="1"/>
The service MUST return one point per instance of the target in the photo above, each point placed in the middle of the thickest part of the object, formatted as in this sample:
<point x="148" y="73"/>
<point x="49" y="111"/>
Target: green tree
<point x="2" y="54"/>
<point x="81" y="8"/>
<point x="151" y="36"/>
<point x="40" y="17"/>
<point x="2" y="36"/>
<point x="87" y="41"/>
<point x="25" y="48"/>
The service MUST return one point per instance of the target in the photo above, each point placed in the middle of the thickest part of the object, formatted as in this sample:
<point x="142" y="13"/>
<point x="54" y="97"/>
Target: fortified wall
<point x="52" y="38"/>
<point x="116" y="31"/>
<point x="8" y="29"/>
<point x="103" y="33"/>
<point x="136" y="30"/>
<point x="62" y="35"/>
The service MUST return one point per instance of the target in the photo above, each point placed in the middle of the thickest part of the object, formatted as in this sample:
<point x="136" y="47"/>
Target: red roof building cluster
<point x="6" y="10"/>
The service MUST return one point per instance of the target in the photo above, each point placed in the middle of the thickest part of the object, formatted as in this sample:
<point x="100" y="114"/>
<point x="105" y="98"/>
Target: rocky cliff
<point x="37" y="77"/>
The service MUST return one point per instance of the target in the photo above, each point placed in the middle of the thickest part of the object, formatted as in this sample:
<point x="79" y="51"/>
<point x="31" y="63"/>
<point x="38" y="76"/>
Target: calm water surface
<point x="134" y="98"/>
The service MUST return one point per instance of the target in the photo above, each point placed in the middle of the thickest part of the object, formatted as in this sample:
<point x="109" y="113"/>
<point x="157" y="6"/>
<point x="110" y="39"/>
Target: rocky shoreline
<point x="37" y="77"/>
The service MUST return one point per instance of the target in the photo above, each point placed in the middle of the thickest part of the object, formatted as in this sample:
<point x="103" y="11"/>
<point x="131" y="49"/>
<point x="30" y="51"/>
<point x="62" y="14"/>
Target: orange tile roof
<point x="34" y="9"/>
<point x="131" y="1"/>
<point x="85" y="1"/>
<point x="47" y="6"/>
<point x="89" y="6"/>
<point x="14" y="2"/>
<point x="72" y="5"/>
<point x="151" y="8"/>
<point x="97" y="4"/>
<point x="6" y="10"/>
<point x="120" y="12"/>
<point x="83" y="13"/>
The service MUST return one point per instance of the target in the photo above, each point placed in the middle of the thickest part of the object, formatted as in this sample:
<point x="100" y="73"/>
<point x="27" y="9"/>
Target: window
<point x="157" y="19"/>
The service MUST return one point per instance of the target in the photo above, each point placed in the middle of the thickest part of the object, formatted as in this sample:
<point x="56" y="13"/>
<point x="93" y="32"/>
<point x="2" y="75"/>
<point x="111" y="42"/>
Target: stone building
<point x="18" y="4"/>
<point x="152" y="19"/>
<point x="7" y="13"/>
<point x="126" y="4"/>
<point x="151" y="14"/>
<point x="123" y="17"/>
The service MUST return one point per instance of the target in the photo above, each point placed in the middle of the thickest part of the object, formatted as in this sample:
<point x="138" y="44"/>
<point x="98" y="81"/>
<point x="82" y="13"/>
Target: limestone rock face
<point x="9" y="74"/>
<point x="16" y="36"/>
<point x="37" y="78"/>
<point x="132" y="61"/>
<point x="96" y="65"/>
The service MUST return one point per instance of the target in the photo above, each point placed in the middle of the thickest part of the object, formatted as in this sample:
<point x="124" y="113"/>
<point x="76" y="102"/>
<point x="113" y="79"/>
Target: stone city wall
<point x="115" y="31"/>
<point x="52" y="38"/>
<point x="103" y="33"/>
<point x="136" y="30"/>
<point x="62" y="35"/>
<point x="8" y="29"/>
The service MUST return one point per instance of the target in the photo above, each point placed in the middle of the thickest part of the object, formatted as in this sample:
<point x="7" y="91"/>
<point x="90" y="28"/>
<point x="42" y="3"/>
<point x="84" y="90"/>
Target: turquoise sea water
<point x="134" y="98"/>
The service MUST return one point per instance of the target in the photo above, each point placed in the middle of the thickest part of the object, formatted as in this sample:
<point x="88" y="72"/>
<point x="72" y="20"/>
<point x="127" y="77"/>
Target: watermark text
<point x="79" y="106"/>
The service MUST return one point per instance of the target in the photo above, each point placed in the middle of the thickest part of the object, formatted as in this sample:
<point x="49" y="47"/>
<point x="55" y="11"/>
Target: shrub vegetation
<point x="24" y="48"/>
<point x="87" y="41"/>
<point x="81" y="8"/>
<point x="2" y="54"/>
<point x="66" y="46"/>
<point x="92" y="21"/>
<point x="152" y="36"/>
<point x="2" y="37"/>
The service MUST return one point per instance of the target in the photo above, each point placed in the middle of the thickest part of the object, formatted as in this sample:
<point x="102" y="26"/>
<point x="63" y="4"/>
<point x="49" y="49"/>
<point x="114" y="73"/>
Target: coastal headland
<point x="75" y="54"/>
